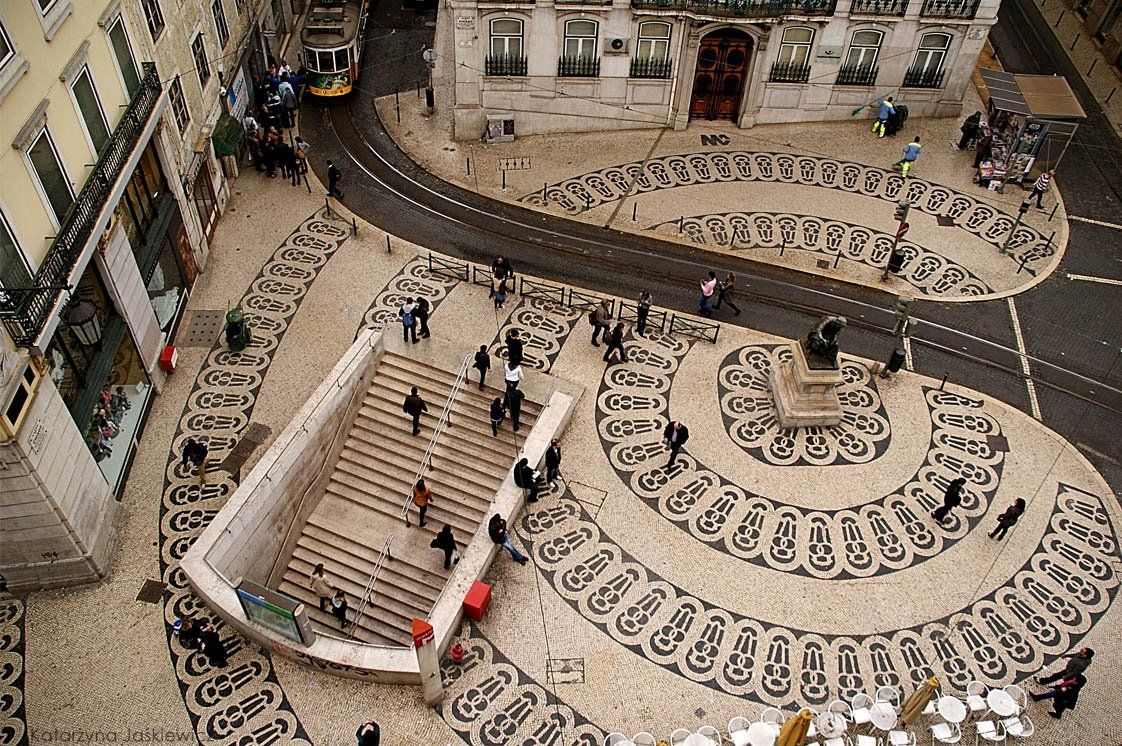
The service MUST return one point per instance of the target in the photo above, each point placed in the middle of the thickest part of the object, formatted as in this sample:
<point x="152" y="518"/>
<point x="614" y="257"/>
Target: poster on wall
<point x="237" y="95"/>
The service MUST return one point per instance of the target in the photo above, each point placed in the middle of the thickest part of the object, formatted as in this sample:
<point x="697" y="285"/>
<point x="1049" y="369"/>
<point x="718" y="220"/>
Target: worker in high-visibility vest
<point x="911" y="153"/>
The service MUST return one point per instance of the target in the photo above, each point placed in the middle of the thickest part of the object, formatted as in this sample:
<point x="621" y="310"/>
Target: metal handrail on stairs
<point x="445" y="418"/>
<point x="370" y="583"/>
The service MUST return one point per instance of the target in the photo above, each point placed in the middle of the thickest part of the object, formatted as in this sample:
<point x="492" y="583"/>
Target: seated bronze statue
<point x="821" y="344"/>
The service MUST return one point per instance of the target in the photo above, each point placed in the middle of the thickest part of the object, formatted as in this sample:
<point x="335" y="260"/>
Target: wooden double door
<point x="721" y="74"/>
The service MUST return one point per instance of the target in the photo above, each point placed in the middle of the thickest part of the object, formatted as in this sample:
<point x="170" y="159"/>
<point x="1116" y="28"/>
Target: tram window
<point x="341" y="61"/>
<point x="324" y="63"/>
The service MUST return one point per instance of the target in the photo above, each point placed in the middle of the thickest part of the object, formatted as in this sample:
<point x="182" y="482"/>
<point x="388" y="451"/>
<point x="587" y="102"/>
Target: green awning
<point x="228" y="135"/>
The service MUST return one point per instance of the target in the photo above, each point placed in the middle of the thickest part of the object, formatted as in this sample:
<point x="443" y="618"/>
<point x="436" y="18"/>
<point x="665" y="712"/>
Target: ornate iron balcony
<point x="923" y="78"/>
<point x="879" y="7"/>
<point x="742" y="8"/>
<point x="24" y="311"/>
<point x="949" y="8"/>
<point x="647" y="67"/>
<point x="506" y="64"/>
<point x="858" y="75"/>
<point x="789" y="72"/>
<point x="578" y="67"/>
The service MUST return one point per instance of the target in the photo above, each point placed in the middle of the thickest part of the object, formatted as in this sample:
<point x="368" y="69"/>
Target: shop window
<point x="167" y="281"/>
<point x="580" y="39"/>
<point x="140" y="203"/>
<point x="795" y="47"/>
<point x="202" y="66"/>
<point x="122" y="54"/>
<point x="22" y="393"/>
<point x="51" y="177"/>
<point x="89" y="106"/>
<point x="205" y="204"/>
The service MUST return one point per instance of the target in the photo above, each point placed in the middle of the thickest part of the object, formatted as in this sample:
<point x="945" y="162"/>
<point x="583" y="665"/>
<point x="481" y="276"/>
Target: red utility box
<point x="477" y="600"/>
<point x="168" y="358"/>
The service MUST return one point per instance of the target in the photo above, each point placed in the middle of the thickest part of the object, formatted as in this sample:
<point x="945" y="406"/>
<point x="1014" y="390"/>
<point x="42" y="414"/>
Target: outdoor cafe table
<point x="952" y="709"/>
<point x="761" y="734"/>
<point x="830" y="725"/>
<point x="696" y="739"/>
<point x="1001" y="703"/>
<point x="883" y="715"/>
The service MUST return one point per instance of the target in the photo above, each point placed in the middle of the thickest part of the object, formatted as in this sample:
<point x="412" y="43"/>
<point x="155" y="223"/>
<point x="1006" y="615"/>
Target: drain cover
<point x="202" y="328"/>
<point x="151" y="592"/>
<point x="944" y="220"/>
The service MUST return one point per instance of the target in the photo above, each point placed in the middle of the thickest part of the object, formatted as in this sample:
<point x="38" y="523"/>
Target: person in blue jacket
<point x="911" y="153"/>
<point x="886" y="109"/>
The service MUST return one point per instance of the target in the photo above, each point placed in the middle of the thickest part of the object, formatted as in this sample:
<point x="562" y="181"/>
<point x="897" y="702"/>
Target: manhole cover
<point x="151" y="592"/>
<point x="202" y="328"/>
<point x="944" y="220"/>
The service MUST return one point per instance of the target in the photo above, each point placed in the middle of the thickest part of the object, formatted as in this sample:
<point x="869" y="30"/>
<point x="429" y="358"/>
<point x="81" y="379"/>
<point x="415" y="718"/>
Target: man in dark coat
<point x="334" y="176"/>
<point x="369" y="734"/>
<point x="1008" y="519"/>
<point x="423" y="309"/>
<point x="196" y="452"/>
<point x="553" y="461"/>
<point x="445" y="542"/>
<point x="211" y="645"/>
<point x="513" y="348"/>
<point x="615" y="343"/>
<point x="524" y="478"/>
<point x="482" y="364"/>
<point x="969" y="129"/>
<point x="675" y="435"/>
<point x="496" y="529"/>
<point x="952" y="498"/>
<point x="513" y="404"/>
<point x="1063" y="695"/>
<point x="413" y="406"/>
<point x="1077" y="663"/>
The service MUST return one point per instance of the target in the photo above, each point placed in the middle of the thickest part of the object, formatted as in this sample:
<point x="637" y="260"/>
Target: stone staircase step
<point x="379" y="414"/>
<point x="380" y="469"/>
<point x="369" y="628"/>
<point x="440" y="381"/>
<point x="477" y="420"/>
<point x="342" y="486"/>
<point x="327" y="531"/>
<point x="413" y="449"/>
<point x="304" y="561"/>
<point x="398" y="613"/>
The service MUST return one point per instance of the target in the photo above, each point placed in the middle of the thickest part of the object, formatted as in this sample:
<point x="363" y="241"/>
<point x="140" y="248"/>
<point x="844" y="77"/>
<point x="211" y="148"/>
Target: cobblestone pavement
<point x="762" y="569"/>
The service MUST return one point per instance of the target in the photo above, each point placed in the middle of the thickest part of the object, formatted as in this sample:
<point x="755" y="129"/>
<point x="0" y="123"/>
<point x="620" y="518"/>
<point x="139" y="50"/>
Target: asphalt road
<point x="1066" y="326"/>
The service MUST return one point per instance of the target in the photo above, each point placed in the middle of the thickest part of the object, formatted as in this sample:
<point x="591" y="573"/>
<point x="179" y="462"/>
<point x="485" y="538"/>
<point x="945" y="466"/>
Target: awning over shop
<point x="1044" y="96"/>
<point x="228" y="135"/>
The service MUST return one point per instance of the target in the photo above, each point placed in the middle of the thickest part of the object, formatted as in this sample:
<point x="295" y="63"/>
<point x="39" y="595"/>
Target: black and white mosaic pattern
<point x="750" y="420"/>
<point x="1042" y="611"/>
<point x="489" y="701"/>
<point x="928" y="272"/>
<point x="13" y="722"/>
<point x="590" y="190"/>
<point x="882" y="535"/>
<point x="543" y="327"/>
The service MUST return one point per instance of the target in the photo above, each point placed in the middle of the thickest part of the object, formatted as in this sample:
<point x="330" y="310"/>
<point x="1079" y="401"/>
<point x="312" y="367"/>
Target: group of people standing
<point x="725" y="290"/>
<point x="278" y="95"/>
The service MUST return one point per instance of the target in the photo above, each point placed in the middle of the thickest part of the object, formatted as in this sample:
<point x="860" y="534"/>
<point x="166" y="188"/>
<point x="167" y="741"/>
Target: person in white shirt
<point x="512" y="376"/>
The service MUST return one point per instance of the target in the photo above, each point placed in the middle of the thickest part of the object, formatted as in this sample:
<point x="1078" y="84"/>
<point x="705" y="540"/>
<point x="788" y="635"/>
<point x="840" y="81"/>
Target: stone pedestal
<point x="805" y="396"/>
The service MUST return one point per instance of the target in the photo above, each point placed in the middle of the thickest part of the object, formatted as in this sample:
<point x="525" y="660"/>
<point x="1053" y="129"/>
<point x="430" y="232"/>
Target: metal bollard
<point x="1057" y="23"/>
<point x="681" y="221"/>
<point x="1075" y="41"/>
<point x="943" y="382"/>
<point x="1110" y="95"/>
<point x="634" y="211"/>
<point x="1024" y="259"/>
<point x="327" y="206"/>
<point x="354" y="227"/>
<point x="389" y="250"/>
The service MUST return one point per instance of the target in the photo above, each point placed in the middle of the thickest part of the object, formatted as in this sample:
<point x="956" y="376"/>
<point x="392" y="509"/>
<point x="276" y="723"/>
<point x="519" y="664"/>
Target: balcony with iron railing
<point x="578" y="67"/>
<point x="858" y="75"/>
<point x="949" y="8"/>
<point x="648" y="67"/>
<point x="505" y="64"/>
<point x="742" y="8"/>
<point x="25" y="311"/>
<point x="879" y="7"/>
<point x="789" y="72"/>
<point x="930" y="78"/>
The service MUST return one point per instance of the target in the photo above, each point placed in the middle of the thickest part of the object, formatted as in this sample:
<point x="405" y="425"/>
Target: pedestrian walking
<point x="911" y="153"/>
<point x="1063" y="695"/>
<point x="482" y="364"/>
<point x="952" y="498"/>
<point x="302" y="147"/>
<point x="501" y="269"/>
<point x="642" y="311"/>
<point x="498" y="292"/>
<point x="408" y="315"/>
<point x="527" y="478"/>
<point x="210" y="643"/>
<point x="422" y="496"/>
<point x="288" y="103"/>
<point x="445" y="542"/>
<point x="599" y="318"/>
<point x="726" y="292"/>
<point x="512" y="375"/>
<point x="615" y="344"/>
<point x="1008" y="519"/>
<point x="321" y="587"/>
<point x="514" y="348"/>
<point x="188" y="634"/>
<point x="413" y="406"/>
<point x="675" y="436"/>
<point x="423" y="309"/>
<point x="513" y="404"/>
<point x="339" y="608"/>
<point x="498" y="414"/>
<point x="1040" y="187"/>
<point x="553" y="461"/>
<point x="1077" y="663"/>
<point x="969" y="130"/>
<point x="883" y="113"/>
<point x="196" y="452"/>
<point x="369" y="734"/>
<point x="708" y="287"/>
<point x="496" y="529"/>
<point x="286" y="159"/>
<point x="983" y="149"/>
<point x="334" y="176"/>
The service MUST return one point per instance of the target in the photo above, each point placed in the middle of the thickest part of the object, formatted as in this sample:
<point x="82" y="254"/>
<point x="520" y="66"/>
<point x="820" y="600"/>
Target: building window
<point x="179" y="105"/>
<point x="863" y="50"/>
<point x="85" y="96"/>
<point x="220" y="23"/>
<point x="795" y="48"/>
<point x="580" y="39"/>
<point x="7" y="49"/>
<point x="932" y="53"/>
<point x="122" y="53"/>
<point x="198" y="53"/>
<point x="342" y="60"/>
<point x="50" y="175"/>
<point x="654" y="41"/>
<point x="14" y="272"/>
<point x="46" y="5"/>
<point x="506" y="38"/>
<point x="154" y="16"/>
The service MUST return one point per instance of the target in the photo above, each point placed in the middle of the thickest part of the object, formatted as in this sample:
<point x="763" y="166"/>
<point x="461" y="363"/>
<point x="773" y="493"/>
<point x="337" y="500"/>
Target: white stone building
<point x="582" y="66"/>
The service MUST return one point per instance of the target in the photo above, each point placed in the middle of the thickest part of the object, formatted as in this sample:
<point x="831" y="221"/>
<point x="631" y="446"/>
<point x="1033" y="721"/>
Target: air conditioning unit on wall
<point x="616" y="46"/>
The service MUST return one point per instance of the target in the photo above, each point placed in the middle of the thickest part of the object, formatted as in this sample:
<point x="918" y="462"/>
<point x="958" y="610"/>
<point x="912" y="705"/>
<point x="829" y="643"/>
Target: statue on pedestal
<point x="821" y="344"/>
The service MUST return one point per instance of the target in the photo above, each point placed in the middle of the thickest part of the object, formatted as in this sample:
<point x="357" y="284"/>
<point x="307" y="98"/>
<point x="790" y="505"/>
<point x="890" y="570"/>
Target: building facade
<point x="1103" y="21"/>
<point x="111" y="148"/>
<point x="580" y="66"/>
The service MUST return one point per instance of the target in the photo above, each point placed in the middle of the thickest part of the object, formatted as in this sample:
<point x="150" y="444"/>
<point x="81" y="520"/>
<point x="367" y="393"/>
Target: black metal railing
<point x="931" y="78"/>
<point x="506" y="64"/>
<point x="648" y="67"/>
<point x="578" y="67"/>
<point x="789" y="72"/>
<point x="858" y="75"/>
<point x="24" y="311"/>
<point x="742" y="8"/>
<point x="879" y="7"/>
<point x="949" y="8"/>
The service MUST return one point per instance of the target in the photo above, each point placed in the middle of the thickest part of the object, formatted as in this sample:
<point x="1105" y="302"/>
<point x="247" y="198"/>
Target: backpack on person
<point x="592" y="317"/>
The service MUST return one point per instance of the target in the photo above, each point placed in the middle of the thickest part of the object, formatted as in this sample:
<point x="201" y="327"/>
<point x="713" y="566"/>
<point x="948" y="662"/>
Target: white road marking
<point x="1092" y="221"/>
<point x="1029" y="383"/>
<point x="1090" y="278"/>
<point x="908" y="353"/>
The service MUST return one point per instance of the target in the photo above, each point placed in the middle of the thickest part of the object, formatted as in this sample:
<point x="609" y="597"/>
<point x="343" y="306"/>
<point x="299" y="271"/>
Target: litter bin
<point x="896" y="362"/>
<point x="896" y="261"/>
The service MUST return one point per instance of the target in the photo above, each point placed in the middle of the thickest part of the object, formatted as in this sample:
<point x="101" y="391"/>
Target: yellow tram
<point x="332" y="38"/>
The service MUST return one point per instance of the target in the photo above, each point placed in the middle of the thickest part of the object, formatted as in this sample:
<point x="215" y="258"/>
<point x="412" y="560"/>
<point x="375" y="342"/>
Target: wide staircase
<point x="371" y="482"/>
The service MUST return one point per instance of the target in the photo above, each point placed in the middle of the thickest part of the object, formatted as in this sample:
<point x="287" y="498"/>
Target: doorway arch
<point x="721" y="75"/>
